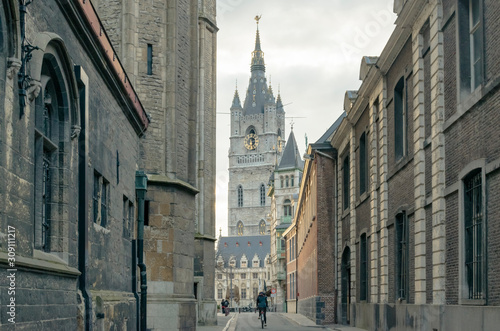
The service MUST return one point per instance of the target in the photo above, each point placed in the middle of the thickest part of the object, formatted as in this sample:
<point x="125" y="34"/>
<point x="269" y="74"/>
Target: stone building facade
<point x="170" y="47"/>
<point x="71" y="127"/>
<point x="283" y="190"/>
<point x="242" y="264"/>
<point x="417" y="175"/>
<point x="256" y="145"/>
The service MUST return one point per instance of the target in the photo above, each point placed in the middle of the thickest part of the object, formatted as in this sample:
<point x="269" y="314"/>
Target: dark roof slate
<point x="291" y="157"/>
<point x="227" y="247"/>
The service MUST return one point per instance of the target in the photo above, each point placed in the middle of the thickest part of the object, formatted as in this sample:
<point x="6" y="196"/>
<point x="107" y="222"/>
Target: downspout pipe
<point x="83" y="197"/>
<point x="141" y="185"/>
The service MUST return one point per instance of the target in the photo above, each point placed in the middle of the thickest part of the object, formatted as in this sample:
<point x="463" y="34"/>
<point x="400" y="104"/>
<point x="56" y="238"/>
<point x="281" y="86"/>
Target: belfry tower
<point x="256" y="143"/>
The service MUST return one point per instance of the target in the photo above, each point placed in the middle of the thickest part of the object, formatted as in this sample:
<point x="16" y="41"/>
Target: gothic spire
<point x="257" y="54"/>
<point x="279" y="103"/>
<point x="236" y="99"/>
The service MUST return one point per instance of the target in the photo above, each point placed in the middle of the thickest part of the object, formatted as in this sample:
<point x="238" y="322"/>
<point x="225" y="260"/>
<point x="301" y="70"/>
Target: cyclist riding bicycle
<point x="262" y="305"/>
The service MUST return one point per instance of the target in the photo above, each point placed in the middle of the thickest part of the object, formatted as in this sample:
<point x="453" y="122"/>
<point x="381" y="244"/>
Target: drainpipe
<point x="141" y="184"/>
<point x="134" y="285"/>
<point x="335" y="240"/>
<point x="83" y="200"/>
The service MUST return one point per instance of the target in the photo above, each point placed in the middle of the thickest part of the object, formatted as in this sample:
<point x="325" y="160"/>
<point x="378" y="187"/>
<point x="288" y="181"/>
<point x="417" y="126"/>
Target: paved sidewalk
<point x="306" y="322"/>
<point x="223" y="323"/>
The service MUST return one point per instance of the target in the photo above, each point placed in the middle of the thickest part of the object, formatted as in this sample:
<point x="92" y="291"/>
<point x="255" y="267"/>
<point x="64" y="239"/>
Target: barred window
<point x="474" y="234"/>
<point x="402" y="255"/>
<point x="363" y="274"/>
<point x="262" y="195"/>
<point x="240" y="196"/>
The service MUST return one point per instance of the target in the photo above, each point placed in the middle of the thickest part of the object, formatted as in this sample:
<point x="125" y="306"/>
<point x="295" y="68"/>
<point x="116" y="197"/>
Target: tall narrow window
<point x="400" y="103"/>
<point x="287" y="208"/>
<point x="476" y="42"/>
<point x="471" y="46"/>
<point x="46" y="184"/>
<point x="240" y="228"/>
<point x="240" y="196"/>
<point x="402" y="255"/>
<point x="346" y="182"/>
<point x="363" y="274"/>
<point x="150" y="59"/>
<point x="363" y="167"/>
<point x="262" y="195"/>
<point x="104" y="203"/>
<point x="474" y="241"/>
<point x="96" y="196"/>
<point x="292" y="181"/>
<point x="286" y="181"/>
<point x="281" y="180"/>
<point x="262" y="227"/>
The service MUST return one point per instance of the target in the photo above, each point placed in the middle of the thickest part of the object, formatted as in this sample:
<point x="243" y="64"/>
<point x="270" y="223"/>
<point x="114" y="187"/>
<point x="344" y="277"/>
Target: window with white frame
<point x="471" y="46"/>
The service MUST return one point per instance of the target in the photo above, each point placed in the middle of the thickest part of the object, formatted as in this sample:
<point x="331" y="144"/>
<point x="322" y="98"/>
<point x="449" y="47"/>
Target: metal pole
<point x="141" y="188"/>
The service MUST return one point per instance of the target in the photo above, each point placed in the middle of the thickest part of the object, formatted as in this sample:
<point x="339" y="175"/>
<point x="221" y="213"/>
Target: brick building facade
<point x="310" y="240"/>
<point x="417" y="175"/>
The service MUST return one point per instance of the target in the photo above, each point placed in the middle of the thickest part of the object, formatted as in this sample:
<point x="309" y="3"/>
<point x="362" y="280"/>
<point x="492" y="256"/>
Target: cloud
<point x="311" y="49"/>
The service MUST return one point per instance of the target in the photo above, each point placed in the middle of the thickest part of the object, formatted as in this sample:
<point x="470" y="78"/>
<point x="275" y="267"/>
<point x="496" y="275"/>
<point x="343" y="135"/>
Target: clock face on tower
<point x="251" y="141"/>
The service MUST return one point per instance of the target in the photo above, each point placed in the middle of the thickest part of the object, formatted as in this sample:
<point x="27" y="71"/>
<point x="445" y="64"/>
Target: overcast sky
<point x="312" y="51"/>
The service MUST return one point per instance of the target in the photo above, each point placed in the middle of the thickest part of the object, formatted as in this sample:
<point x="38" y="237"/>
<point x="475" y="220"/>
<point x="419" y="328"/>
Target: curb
<point x="231" y="324"/>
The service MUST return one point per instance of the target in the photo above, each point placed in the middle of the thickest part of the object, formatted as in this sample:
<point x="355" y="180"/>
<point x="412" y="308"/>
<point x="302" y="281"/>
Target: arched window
<point x="262" y="195"/>
<point x="281" y="180"/>
<point x="240" y="196"/>
<point x="287" y="208"/>
<point x="262" y="227"/>
<point x="240" y="228"/>
<point x="286" y="181"/>
<point x="292" y="182"/>
<point x="55" y="114"/>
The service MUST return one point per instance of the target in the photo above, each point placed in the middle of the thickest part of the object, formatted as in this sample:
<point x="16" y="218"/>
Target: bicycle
<point x="262" y="317"/>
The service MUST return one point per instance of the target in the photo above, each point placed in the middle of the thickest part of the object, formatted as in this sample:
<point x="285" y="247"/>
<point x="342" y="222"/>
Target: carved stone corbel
<point x="13" y="66"/>
<point x="34" y="89"/>
<point x="75" y="131"/>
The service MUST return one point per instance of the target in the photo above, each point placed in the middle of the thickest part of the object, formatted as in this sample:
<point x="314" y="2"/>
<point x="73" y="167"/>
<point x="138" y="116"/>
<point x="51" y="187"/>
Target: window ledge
<point x="473" y="302"/>
<point x="471" y="100"/>
<point x="362" y="198"/>
<point x="42" y="262"/>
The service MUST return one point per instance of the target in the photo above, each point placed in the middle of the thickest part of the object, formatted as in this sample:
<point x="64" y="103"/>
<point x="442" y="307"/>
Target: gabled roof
<point x="291" y="157"/>
<point x="248" y="245"/>
<point x="324" y="139"/>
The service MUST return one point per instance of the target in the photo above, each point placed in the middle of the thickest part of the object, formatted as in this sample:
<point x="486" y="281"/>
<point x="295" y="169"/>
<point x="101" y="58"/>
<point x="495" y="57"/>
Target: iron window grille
<point x="474" y="263"/>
